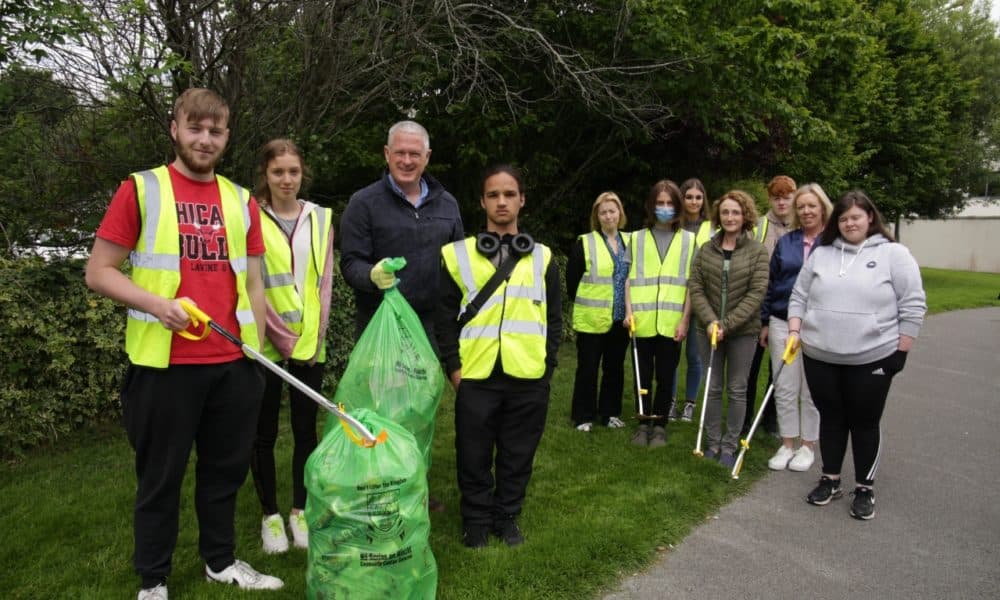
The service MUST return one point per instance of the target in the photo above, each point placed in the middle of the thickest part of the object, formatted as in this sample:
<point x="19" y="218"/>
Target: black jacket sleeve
<point x="575" y="268"/>
<point x="446" y="321"/>
<point x="553" y="305"/>
<point x="356" y="247"/>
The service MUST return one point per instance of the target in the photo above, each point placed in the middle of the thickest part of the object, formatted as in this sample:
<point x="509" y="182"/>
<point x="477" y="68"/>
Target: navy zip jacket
<point x="786" y="262"/>
<point x="379" y="223"/>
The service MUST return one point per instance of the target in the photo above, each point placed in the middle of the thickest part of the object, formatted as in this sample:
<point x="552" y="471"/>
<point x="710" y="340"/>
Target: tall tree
<point x="29" y="28"/>
<point x="895" y="96"/>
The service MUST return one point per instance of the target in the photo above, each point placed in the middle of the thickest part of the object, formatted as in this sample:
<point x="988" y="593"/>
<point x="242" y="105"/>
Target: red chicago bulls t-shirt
<point x="206" y="275"/>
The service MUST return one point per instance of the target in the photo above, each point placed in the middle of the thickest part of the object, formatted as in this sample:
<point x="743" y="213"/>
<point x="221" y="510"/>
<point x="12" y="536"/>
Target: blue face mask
<point x="664" y="213"/>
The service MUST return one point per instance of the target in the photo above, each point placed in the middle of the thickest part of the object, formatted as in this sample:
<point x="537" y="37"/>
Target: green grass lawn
<point x="954" y="290"/>
<point x="597" y="508"/>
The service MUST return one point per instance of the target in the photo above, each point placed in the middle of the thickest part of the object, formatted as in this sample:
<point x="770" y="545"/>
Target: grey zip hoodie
<point x="855" y="301"/>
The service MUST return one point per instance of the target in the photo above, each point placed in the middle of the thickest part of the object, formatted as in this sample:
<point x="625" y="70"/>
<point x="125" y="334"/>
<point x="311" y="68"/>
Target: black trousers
<point x="658" y="354"/>
<point x="591" y="350"/>
<point x="770" y="419"/>
<point x="498" y="425"/>
<point x="303" y="414"/>
<point x="167" y="411"/>
<point x="850" y="400"/>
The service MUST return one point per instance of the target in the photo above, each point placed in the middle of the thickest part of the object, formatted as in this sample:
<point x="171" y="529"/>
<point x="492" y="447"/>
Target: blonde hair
<point x="824" y="201"/>
<point x="595" y="222"/>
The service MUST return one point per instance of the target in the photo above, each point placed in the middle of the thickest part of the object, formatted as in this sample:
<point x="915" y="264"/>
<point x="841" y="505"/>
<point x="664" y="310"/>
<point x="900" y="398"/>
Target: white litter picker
<point x="791" y="350"/>
<point x="201" y="320"/>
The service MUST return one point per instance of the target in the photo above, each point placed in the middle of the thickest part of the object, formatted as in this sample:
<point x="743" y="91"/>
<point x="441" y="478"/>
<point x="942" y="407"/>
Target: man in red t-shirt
<point x="179" y="393"/>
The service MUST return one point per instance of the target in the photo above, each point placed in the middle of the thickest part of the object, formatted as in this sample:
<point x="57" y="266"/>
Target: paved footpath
<point x="936" y="531"/>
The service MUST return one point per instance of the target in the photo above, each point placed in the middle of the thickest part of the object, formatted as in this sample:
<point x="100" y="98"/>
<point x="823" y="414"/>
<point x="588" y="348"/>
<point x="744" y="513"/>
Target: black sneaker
<point x="475" y="536"/>
<point x="508" y="531"/>
<point x="863" y="506"/>
<point x="658" y="438"/>
<point x="641" y="436"/>
<point x="828" y="489"/>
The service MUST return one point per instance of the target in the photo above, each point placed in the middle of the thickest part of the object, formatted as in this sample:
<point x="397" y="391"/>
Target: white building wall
<point x="965" y="244"/>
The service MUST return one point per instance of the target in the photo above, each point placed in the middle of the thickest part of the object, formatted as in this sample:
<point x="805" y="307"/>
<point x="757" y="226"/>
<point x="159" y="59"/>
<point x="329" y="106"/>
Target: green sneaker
<point x="300" y="529"/>
<point x="273" y="536"/>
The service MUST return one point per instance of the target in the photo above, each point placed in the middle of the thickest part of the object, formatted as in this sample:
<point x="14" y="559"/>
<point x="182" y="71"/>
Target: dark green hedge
<point x="62" y="352"/>
<point x="61" y="359"/>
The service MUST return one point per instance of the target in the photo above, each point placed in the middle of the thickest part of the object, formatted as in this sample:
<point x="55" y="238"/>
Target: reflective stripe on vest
<point x="299" y="309"/>
<point x="156" y="261"/>
<point x="593" y="306"/>
<point x="760" y="230"/>
<point x="512" y="324"/>
<point x="658" y="289"/>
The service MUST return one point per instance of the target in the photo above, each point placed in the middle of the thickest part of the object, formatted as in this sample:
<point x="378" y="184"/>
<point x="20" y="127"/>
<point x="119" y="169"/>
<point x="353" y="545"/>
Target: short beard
<point x="187" y="158"/>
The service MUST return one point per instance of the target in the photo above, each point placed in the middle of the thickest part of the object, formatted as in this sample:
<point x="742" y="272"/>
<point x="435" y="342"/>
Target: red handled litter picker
<point x="199" y="318"/>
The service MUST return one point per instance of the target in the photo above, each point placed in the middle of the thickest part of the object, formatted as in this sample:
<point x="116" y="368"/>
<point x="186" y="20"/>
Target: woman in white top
<point x="797" y="415"/>
<point x="298" y="275"/>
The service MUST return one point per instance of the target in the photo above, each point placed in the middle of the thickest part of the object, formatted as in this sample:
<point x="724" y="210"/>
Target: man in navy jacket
<point x="405" y="213"/>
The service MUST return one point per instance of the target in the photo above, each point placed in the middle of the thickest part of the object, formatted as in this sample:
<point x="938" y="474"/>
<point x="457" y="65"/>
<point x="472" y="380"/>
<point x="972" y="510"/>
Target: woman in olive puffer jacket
<point x="727" y="286"/>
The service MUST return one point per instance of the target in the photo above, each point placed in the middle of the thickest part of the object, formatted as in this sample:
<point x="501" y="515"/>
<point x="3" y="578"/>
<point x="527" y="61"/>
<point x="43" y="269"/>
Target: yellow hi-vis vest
<point x="156" y="262"/>
<point x="512" y="323"/>
<point x="657" y="289"/>
<point x="594" y="304"/>
<point x="704" y="233"/>
<point x="298" y="308"/>
<point x="760" y="229"/>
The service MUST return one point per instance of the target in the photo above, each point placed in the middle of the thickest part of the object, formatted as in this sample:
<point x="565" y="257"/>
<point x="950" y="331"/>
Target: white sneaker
<point x="615" y="423"/>
<point x="300" y="529"/>
<point x="802" y="460"/>
<point x="675" y="410"/>
<point x="273" y="536"/>
<point x="244" y="576"/>
<point x="584" y="426"/>
<point x="157" y="593"/>
<point x="781" y="458"/>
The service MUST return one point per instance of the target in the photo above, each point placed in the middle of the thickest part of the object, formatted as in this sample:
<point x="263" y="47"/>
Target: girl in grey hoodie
<point x="856" y="308"/>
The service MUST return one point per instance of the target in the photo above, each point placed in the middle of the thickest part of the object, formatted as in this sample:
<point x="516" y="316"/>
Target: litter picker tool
<point x="199" y="318"/>
<point x="708" y="383"/>
<point x="640" y="391"/>
<point x="791" y="349"/>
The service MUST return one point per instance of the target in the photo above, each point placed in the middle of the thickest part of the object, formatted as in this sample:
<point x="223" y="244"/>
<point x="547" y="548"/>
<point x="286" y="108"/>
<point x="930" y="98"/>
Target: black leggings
<point x="850" y="400"/>
<point x="303" y="412"/>
<point x="659" y="355"/>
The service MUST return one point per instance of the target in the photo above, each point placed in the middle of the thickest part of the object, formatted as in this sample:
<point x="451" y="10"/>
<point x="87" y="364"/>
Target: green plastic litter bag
<point x="367" y="514"/>
<point x="394" y="371"/>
